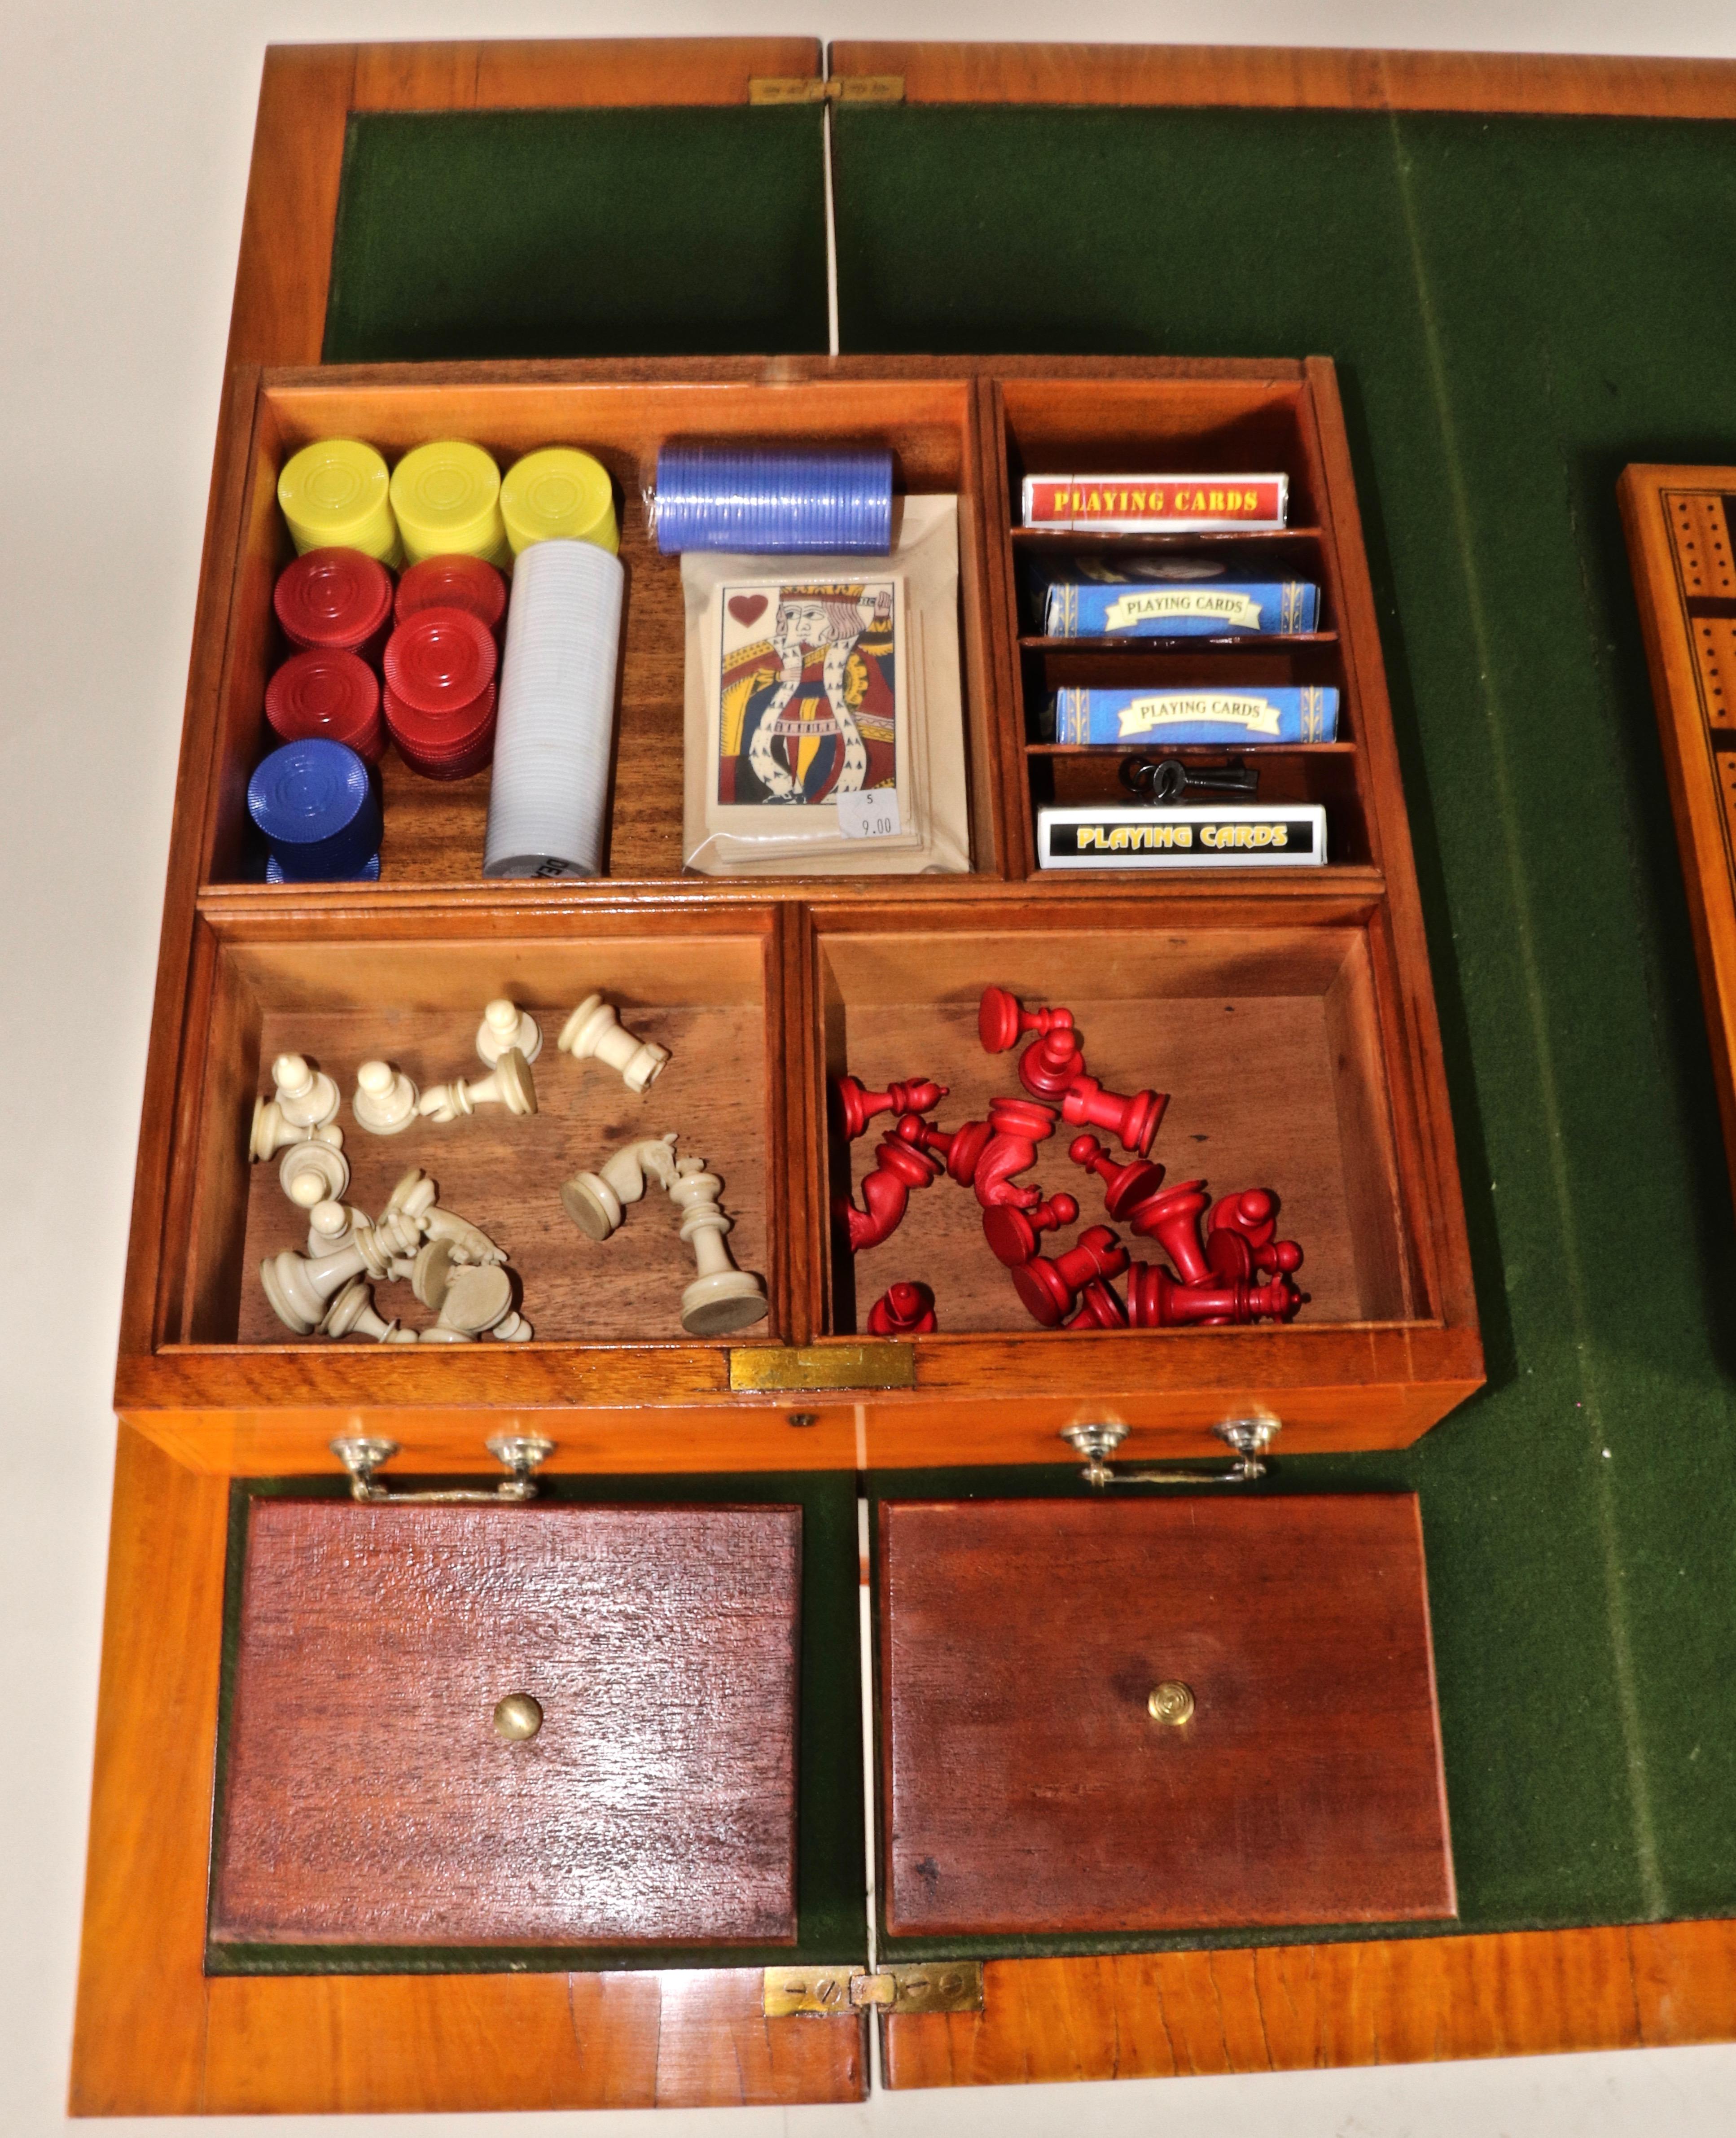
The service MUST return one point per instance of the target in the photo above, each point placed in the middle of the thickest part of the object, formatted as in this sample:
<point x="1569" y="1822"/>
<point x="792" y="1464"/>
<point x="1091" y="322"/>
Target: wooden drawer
<point x="369" y="1798"/>
<point x="1289" y="1773"/>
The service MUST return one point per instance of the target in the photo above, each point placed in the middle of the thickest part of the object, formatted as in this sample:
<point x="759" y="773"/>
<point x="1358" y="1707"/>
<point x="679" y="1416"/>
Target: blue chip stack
<point x="767" y="501"/>
<point x="316" y="806"/>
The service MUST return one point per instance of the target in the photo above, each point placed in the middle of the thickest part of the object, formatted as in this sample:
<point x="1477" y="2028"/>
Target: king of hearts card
<point x="809" y="692"/>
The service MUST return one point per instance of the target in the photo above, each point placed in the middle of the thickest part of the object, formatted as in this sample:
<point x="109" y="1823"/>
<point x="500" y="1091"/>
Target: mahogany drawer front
<point x="1028" y="1786"/>
<point x="368" y="1798"/>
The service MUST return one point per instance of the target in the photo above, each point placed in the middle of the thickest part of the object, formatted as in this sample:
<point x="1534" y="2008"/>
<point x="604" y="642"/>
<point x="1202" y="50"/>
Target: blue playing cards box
<point x="1200" y="608"/>
<point x="1239" y="715"/>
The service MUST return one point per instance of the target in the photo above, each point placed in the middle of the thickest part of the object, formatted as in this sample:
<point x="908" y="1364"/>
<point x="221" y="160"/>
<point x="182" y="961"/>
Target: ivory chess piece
<point x="510" y="1086"/>
<point x="352" y="1311"/>
<point x="469" y="1243"/>
<point x="331" y="1225"/>
<point x="854" y="1105"/>
<point x="595" y="1028"/>
<point x="306" y="1097"/>
<point x="271" y="1132"/>
<point x="431" y="1273"/>
<point x="477" y="1297"/>
<point x="300" y="1288"/>
<point x="504" y="1025"/>
<point x="596" y="1202"/>
<point x="512" y="1328"/>
<point x="313" y="1171"/>
<point x="900" y="1165"/>
<point x="903" y="1310"/>
<point x="721" y="1298"/>
<point x="384" y="1100"/>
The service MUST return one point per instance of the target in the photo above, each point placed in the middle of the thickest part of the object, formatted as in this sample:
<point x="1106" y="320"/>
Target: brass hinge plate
<point x="821" y="1993"/>
<point x="840" y="89"/>
<point x="762" y="1366"/>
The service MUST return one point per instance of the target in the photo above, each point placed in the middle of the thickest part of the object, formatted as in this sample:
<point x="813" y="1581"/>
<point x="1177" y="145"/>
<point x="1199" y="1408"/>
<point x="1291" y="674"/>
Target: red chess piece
<point x="959" y="1151"/>
<point x="1001" y="1020"/>
<point x="856" y="1106"/>
<point x="1049" y="1288"/>
<point x="1125" y="1186"/>
<point x="903" y="1310"/>
<point x="1134" y="1120"/>
<point x="886" y="1192"/>
<point x="1155" y="1301"/>
<point x="1019" y="1126"/>
<point x="1239" y="1236"/>
<point x="1012" y="1233"/>
<point x="1171" y="1219"/>
<point x="1049" y="1065"/>
<point x="1100" y="1308"/>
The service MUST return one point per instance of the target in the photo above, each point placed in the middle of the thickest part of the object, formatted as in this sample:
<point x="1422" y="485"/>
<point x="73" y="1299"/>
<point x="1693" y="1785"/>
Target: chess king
<point x="811" y="714"/>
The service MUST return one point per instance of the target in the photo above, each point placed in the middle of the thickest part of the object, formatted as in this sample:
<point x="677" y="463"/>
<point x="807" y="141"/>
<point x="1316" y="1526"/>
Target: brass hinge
<point x="760" y="1366"/>
<point x="820" y="1993"/>
<point x="840" y="89"/>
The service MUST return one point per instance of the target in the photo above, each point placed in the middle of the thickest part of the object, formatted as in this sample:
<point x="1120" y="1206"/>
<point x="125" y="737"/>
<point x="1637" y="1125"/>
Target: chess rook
<point x="1134" y="1120"/>
<point x="503" y="1025"/>
<point x="595" y="1028"/>
<point x="721" y="1298"/>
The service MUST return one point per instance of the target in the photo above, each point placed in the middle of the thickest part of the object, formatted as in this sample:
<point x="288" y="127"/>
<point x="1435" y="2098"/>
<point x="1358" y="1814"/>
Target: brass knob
<point x="1171" y="1702"/>
<point x="518" y="1718"/>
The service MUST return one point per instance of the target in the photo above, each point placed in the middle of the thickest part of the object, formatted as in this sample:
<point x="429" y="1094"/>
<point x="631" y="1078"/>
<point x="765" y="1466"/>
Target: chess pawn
<point x="1002" y="1020"/>
<point x="352" y="1312"/>
<point x="510" y="1086"/>
<point x="1019" y="1126"/>
<point x="306" y="1097"/>
<point x="854" y="1105"/>
<point x="504" y="1025"/>
<point x="469" y="1243"/>
<point x="959" y="1151"/>
<point x="384" y="1100"/>
<point x="271" y="1133"/>
<point x="331" y="1225"/>
<point x="1171" y="1219"/>
<point x="313" y="1171"/>
<point x="476" y="1297"/>
<point x="903" y="1310"/>
<point x="1048" y="1288"/>
<point x="1134" y="1120"/>
<point x="595" y="1201"/>
<point x="1100" y="1308"/>
<point x="595" y="1028"/>
<point x="1241" y="1237"/>
<point x="1012" y="1234"/>
<point x="300" y="1289"/>
<point x="1050" y="1064"/>
<point x="900" y="1166"/>
<point x="721" y="1298"/>
<point x="1125" y="1186"/>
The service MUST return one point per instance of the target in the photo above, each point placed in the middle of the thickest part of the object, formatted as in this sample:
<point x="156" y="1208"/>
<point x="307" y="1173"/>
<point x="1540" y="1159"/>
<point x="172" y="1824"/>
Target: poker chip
<point x="440" y="660"/>
<point x="558" y="495"/>
<point x="336" y="493"/>
<point x="333" y="695"/>
<point x="460" y="582"/>
<point x="315" y="804"/>
<point x="444" y="745"/>
<point x="338" y="600"/>
<point x="446" y="498"/>
<point x="766" y="500"/>
<point x="368" y="873"/>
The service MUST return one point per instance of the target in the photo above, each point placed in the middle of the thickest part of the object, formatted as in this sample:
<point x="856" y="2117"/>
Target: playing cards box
<point x="1257" y="835"/>
<point x="1202" y="608"/>
<point x="1125" y="504"/>
<point x="1178" y="719"/>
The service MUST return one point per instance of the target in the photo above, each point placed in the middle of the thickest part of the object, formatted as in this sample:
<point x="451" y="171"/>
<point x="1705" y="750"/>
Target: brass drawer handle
<point x="518" y="1453"/>
<point x="1249" y="1436"/>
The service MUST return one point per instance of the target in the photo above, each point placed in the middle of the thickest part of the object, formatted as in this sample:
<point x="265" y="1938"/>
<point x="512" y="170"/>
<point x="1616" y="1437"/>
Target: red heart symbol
<point x="747" y="609"/>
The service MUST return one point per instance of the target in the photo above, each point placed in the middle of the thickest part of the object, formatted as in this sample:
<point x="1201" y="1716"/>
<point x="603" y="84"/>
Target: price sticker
<point x="870" y="814"/>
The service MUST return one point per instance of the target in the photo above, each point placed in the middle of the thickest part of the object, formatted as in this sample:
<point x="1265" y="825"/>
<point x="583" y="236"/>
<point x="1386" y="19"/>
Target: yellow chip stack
<point x="559" y="495"/>
<point x="446" y="497"/>
<point x="336" y="494"/>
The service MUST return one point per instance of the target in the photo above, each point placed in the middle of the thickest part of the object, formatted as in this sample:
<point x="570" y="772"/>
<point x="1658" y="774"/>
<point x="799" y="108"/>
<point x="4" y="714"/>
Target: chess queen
<point x="812" y="713"/>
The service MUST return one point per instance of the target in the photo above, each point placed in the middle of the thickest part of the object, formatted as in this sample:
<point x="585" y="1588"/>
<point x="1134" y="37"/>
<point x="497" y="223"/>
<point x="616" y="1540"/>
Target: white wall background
<point x="124" y="132"/>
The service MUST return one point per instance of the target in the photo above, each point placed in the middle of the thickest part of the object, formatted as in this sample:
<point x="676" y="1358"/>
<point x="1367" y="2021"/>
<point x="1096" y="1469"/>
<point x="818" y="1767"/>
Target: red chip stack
<point x="335" y="695"/>
<point x="466" y="582"/>
<point x="440" y="692"/>
<point x="334" y="601"/>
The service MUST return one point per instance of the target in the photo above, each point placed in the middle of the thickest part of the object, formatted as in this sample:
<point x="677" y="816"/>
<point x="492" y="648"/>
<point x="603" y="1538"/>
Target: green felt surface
<point x="1518" y="307"/>
<point x="830" y="1856"/>
<point x="644" y="232"/>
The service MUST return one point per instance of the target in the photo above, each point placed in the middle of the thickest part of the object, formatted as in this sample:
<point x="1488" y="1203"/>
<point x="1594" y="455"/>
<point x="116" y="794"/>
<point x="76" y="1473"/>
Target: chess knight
<point x="811" y="714"/>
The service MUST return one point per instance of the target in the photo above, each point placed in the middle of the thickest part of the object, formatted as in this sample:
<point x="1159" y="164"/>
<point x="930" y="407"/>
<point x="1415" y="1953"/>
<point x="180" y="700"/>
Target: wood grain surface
<point x="368" y="1798"/>
<point x="1026" y="1789"/>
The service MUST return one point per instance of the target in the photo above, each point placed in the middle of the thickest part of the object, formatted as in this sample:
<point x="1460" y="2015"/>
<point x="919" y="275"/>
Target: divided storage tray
<point x="1288" y="1014"/>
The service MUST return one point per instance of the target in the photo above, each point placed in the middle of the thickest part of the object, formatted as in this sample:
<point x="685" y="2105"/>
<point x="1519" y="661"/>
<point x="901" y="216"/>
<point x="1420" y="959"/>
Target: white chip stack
<point x="549" y="800"/>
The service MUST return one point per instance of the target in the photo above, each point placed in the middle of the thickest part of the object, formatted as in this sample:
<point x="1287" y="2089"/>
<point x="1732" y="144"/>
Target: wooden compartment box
<point x="1288" y="1014"/>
